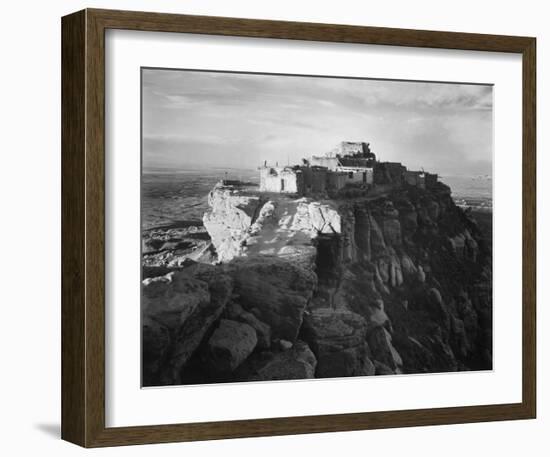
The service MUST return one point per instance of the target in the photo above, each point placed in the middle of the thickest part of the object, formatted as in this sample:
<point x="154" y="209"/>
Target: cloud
<point x="185" y="137"/>
<point x="231" y="118"/>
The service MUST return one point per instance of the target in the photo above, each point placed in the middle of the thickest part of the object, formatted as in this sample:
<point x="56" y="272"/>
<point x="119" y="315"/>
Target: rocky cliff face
<point x="246" y="224"/>
<point x="393" y="283"/>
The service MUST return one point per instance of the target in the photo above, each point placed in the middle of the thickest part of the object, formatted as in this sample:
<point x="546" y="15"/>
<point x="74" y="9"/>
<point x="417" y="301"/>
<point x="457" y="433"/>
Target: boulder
<point x="348" y="241"/>
<point x="468" y="316"/>
<point x="389" y="269"/>
<point x="382" y="369"/>
<point x="337" y="337"/>
<point x="296" y="363"/>
<point x="471" y="247"/>
<point x="433" y="210"/>
<point x="236" y="312"/>
<point x="229" y="219"/>
<point x="362" y="232"/>
<point x="392" y="231"/>
<point x="274" y="290"/>
<point x="229" y="346"/>
<point x="323" y="218"/>
<point x="436" y="306"/>
<point x="464" y="246"/>
<point x="193" y="330"/>
<point x="421" y="277"/>
<point x="408" y="267"/>
<point x="171" y="298"/>
<point x="186" y="303"/>
<point x="459" y="338"/>
<point x="396" y="274"/>
<point x="285" y="345"/>
<point x="378" y="245"/>
<point x="380" y="343"/>
<point x="409" y="219"/>
<point x="155" y="342"/>
<point x="376" y="315"/>
<point x="443" y="356"/>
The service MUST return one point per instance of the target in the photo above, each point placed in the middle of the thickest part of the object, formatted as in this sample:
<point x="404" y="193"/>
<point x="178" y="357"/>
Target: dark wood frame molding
<point x="83" y="232"/>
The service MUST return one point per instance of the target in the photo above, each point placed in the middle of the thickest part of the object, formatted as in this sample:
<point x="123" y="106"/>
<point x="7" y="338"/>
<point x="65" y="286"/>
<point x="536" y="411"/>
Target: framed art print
<point x="276" y="228"/>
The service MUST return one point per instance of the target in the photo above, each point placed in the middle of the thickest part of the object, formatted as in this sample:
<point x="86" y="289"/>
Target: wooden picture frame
<point x="83" y="227"/>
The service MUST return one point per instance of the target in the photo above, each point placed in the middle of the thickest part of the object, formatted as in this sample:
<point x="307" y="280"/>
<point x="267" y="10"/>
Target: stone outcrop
<point x="171" y="246"/>
<point x="172" y="298"/>
<point x="236" y="312"/>
<point x="380" y="342"/>
<point x="275" y="291"/>
<point x="229" y="220"/>
<point x="250" y="225"/>
<point x="178" y="309"/>
<point x="156" y="341"/>
<point x="298" y="362"/>
<point x="338" y="339"/>
<point x="229" y="346"/>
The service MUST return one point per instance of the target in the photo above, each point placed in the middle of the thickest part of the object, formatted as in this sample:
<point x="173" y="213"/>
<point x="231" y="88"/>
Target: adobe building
<point x="315" y="179"/>
<point x="301" y="180"/>
<point x="415" y="178"/>
<point x="330" y="162"/>
<point x="352" y="159"/>
<point x="388" y="172"/>
<point x="353" y="149"/>
<point x="420" y="179"/>
<point x="281" y="180"/>
<point x="349" y="164"/>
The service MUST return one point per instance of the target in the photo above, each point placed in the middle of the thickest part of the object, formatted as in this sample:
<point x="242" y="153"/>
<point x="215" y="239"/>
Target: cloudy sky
<point x="197" y="119"/>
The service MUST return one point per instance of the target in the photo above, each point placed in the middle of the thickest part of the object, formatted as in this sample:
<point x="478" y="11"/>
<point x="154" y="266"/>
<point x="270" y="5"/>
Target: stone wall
<point x="388" y="172"/>
<point x="356" y="162"/>
<point x="281" y="180"/>
<point x="321" y="161"/>
<point x="337" y="180"/>
<point x="319" y="180"/>
<point x="415" y="178"/>
<point x="314" y="179"/>
<point x="364" y="176"/>
<point x="431" y="179"/>
<point x="352" y="148"/>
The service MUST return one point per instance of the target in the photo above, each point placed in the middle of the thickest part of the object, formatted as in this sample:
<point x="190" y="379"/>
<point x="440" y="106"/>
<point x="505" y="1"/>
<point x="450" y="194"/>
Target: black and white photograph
<point x="242" y="228"/>
<point x="298" y="227"/>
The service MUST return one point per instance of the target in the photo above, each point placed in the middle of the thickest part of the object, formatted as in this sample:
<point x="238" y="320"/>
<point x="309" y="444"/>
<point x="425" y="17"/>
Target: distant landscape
<point x="169" y="196"/>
